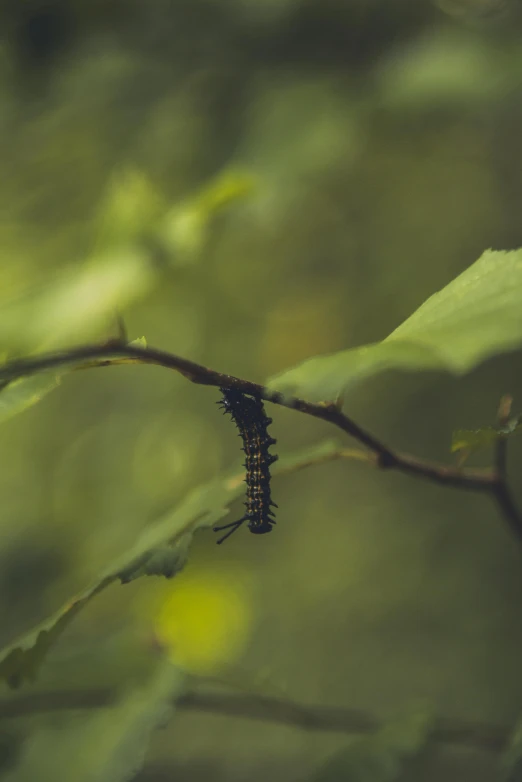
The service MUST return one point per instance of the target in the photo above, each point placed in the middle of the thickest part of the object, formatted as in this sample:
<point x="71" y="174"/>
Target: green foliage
<point x="82" y="303"/>
<point x="474" y="439"/>
<point x="380" y="757"/>
<point x="163" y="561"/>
<point x="109" y="746"/>
<point x="79" y="304"/>
<point x="20" y="661"/>
<point x="118" y="270"/>
<point x="474" y="317"/>
<point x="466" y="441"/>
<point x="129" y="211"/>
<point x="17" y="396"/>
<point x="161" y="550"/>
<point x="185" y="228"/>
<point x="369" y="185"/>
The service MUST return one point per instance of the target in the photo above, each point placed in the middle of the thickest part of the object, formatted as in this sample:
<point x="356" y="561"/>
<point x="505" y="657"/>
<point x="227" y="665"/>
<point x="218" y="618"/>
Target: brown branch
<point x="508" y="509"/>
<point x="503" y="416"/>
<point x="500" y="489"/>
<point x="116" y="352"/>
<point x="333" y="719"/>
<point x="262" y="708"/>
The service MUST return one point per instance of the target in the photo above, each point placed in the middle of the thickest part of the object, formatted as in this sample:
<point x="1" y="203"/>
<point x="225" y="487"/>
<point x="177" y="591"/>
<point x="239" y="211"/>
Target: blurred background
<point x="250" y="183"/>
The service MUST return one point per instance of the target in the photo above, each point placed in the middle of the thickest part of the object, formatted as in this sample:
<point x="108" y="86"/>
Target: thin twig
<point x="114" y="352"/>
<point x="329" y="719"/>
<point x="333" y="719"/>
<point x="503" y="416"/>
<point x="500" y="489"/>
<point x="349" y="454"/>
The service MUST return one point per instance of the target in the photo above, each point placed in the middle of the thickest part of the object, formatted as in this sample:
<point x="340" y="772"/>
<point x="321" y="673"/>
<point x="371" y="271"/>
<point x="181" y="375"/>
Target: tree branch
<point x="114" y="352"/>
<point x="329" y="719"/>
<point x="500" y="489"/>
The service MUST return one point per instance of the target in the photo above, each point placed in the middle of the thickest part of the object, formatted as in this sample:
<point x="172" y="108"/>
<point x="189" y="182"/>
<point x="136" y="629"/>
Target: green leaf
<point x="162" y="561"/>
<point x="81" y="302"/>
<point x="108" y="746"/>
<point x="18" y="395"/>
<point x="78" y="303"/>
<point x="161" y="550"/>
<point x="380" y="757"/>
<point x="20" y="661"/>
<point x="475" y="439"/>
<point x="513" y="425"/>
<point x="129" y="211"/>
<point x="22" y="393"/>
<point x="476" y="316"/>
<point x="140" y="342"/>
<point x="185" y="229"/>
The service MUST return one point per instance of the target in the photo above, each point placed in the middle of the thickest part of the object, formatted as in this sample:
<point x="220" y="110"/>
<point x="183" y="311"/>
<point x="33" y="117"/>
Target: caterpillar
<point x="248" y="413"/>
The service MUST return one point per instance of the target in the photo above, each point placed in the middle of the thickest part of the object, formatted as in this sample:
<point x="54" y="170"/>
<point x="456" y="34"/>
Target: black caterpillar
<point x="248" y="413"/>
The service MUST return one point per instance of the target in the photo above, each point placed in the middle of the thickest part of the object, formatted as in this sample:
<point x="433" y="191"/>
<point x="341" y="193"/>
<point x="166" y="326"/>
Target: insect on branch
<point x="116" y="351"/>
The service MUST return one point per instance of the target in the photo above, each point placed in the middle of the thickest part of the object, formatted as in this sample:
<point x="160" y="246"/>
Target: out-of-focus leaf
<point x="20" y="661"/>
<point x="514" y="424"/>
<point x="129" y="211"/>
<point x="469" y="440"/>
<point x="441" y="69"/>
<point x="78" y="304"/>
<point x="229" y="187"/>
<point x="161" y="550"/>
<point x="476" y="316"/>
<point x="476" y="10"/>
<point x="86" y="300"/>
<point x="18" y="395"/>
<point x="162" y="561"/>
<point x="473" y="439"/>
<point x="381" y="757"/>
<point x="511" y="761"/>
<point x="184" y="230"/>
<point x="108" y="746"/>
<point x="140" y="342"/>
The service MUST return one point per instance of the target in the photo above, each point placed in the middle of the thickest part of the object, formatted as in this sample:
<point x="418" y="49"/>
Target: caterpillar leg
<point x="233" y="526"/>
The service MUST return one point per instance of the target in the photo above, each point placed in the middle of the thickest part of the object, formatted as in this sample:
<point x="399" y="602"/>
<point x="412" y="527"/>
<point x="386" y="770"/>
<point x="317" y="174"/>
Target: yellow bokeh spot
<point x="204" y="620"/>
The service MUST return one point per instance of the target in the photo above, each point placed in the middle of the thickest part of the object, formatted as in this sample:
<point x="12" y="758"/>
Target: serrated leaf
<point x="161" y="550"/>
<point x="20" y="661"/>
<point x="478" y="315"/>
<point x="475" y="439"/>
<point x="511" y="426"/>
<point x="140" y="342"/>
<point x="163" y="561"/>
<point x="108" y="746"/>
